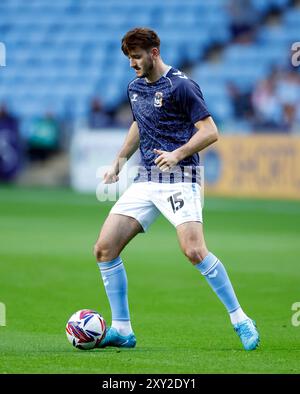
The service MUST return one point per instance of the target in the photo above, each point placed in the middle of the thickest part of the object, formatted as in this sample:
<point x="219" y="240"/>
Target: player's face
<point x="142" y="62"/>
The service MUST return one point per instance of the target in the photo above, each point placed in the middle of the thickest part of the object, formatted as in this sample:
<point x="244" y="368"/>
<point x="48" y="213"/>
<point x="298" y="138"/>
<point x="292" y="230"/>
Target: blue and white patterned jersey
<point x="166" y="111"/>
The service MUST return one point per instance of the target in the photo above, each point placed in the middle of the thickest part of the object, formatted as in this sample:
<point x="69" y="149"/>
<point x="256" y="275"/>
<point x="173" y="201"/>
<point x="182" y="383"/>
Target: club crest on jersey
<point x="158" y="99"/>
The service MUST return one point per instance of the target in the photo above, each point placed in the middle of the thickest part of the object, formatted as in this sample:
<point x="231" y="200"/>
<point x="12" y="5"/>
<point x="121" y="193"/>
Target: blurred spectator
<point x="243" y="19"/>
<point x="97" y="116"/>
<point x="67" y="122"/>
<point x="241" y="102"/>
<point x="44" y="137"/>
<point x="268" y="112"/>
<point x="10" y="145"/>
<point x="7" y="120"/>
<point x="123" y="117"/>
<point x="288" y="86"/>
<point x="288" y="93"/>
<point x="276" y="101"/>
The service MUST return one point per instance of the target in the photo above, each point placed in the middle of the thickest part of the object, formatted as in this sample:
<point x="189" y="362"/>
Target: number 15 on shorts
<point x="175" y="201"/>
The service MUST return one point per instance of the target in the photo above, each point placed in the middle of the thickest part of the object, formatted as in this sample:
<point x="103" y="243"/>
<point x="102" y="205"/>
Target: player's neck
<point x="158" y="71"/>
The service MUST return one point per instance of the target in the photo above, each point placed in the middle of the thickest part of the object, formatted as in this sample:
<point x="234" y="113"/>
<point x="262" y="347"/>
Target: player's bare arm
<point x="206" y="135"/>
<point x="129" y="146"/>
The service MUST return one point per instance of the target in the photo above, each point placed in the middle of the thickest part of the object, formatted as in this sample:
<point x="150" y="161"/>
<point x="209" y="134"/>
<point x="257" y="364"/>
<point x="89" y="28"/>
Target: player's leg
<point x="132" y="213"/>
<point x="180" y="203"/>
<point x="192" y="243"/>
<point x="191" y="240"/>
<point x="115" y="234"/>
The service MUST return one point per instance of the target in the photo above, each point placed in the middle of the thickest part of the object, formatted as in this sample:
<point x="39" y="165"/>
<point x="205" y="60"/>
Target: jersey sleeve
<point x="133" y="117"/>
<point x="190" y="100"/>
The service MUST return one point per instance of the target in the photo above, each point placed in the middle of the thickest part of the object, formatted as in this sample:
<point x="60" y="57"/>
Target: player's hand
<point x="110" y="176"/>
<point x="166" y="160"/>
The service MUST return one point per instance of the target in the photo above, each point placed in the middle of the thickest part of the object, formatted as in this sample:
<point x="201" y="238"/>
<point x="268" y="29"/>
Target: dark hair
<point x="140" y="37"/>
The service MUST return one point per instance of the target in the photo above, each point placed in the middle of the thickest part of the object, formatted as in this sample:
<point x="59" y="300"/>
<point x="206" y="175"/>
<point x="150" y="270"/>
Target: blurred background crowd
<point x="65" y="69"/>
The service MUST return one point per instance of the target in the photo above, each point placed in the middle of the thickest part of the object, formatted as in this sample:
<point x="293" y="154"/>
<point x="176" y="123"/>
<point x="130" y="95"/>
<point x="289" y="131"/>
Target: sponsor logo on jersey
<point x="158" y="99"/>
<point x="134" y="97"/>
<point x="180" y="75"/>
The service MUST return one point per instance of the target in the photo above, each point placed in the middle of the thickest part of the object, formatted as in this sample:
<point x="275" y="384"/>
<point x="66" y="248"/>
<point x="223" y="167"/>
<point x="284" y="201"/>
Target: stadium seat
<point x="63" y="49"/>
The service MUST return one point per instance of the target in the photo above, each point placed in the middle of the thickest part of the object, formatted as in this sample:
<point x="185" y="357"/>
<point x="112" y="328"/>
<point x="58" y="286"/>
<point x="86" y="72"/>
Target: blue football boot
<point x="113" y="338"/>
<point x="248" y="334"/>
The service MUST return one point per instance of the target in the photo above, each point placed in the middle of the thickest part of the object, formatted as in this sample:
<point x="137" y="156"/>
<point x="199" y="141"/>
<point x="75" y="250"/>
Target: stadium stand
<point x="62" y="54"/>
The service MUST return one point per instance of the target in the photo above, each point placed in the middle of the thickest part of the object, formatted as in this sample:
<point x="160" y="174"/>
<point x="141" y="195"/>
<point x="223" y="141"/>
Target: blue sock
<point x="115" y="283"/>
<point x="216" y="275"/>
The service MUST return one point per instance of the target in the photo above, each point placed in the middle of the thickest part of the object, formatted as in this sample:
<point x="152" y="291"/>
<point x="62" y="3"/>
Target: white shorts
<point x="144" y="201"/>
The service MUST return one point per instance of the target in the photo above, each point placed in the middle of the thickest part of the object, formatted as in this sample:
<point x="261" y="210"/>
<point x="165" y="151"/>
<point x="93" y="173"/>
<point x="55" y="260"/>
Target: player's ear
<point x="154" y="53"/>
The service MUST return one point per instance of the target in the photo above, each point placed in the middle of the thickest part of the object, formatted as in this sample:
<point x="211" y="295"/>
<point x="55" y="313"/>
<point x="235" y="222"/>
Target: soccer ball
<point x="85" y="329"/>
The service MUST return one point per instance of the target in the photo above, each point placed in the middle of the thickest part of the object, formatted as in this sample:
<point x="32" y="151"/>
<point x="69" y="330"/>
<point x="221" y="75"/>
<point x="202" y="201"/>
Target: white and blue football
<point x="85" y="329"/>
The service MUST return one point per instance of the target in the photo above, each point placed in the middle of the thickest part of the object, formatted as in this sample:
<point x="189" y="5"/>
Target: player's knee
<point x="195" y="254"/>
<point x="102" y="252"/>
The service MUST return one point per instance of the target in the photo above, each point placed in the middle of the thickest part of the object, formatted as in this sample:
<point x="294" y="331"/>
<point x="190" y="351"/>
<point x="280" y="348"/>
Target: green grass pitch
<point x="47" y="272"/>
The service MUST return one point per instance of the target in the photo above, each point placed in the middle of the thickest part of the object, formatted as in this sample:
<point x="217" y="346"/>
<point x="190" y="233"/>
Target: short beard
<point x="149" y="68"/>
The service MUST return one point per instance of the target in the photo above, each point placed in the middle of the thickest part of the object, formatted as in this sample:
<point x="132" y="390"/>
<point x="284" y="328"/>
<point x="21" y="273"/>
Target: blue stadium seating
<point x="68" y="51"/>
